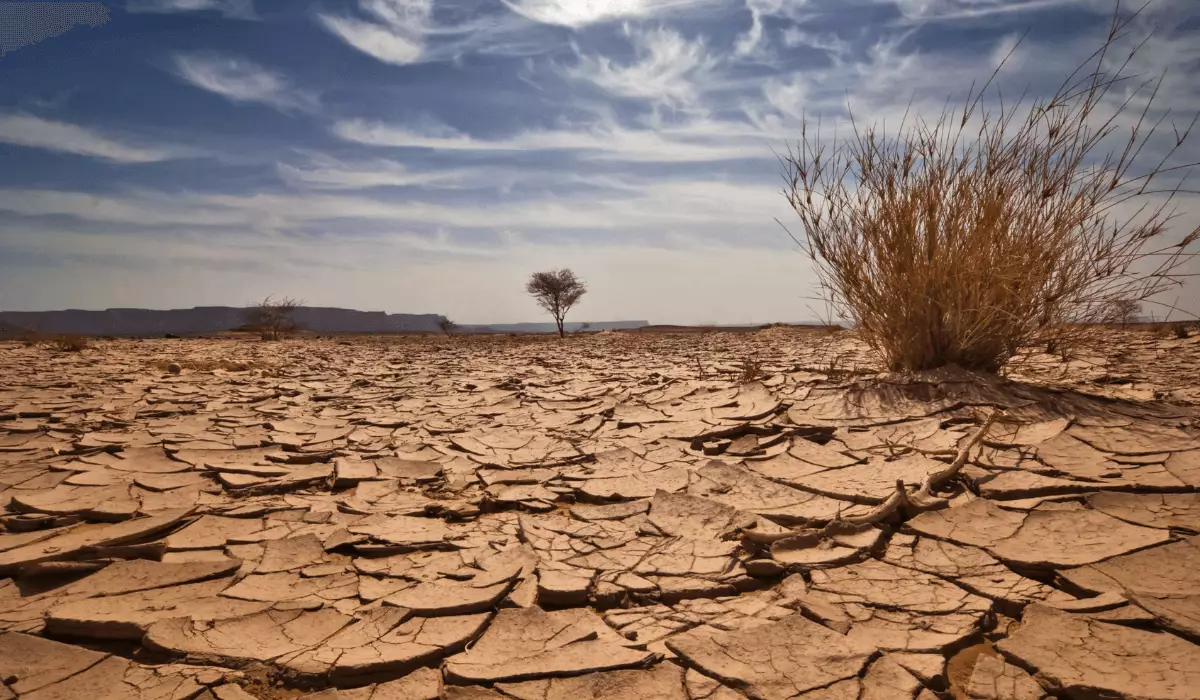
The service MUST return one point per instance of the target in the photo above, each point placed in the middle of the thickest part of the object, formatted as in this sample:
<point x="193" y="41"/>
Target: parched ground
<point x="659" y="517"/>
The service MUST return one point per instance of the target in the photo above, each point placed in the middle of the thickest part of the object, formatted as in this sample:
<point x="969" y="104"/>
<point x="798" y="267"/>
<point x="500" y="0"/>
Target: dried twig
<point x="921" y="499"/>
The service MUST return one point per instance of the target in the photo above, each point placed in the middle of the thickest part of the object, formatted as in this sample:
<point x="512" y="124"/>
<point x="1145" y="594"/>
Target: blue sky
<point x="427" y="155"/>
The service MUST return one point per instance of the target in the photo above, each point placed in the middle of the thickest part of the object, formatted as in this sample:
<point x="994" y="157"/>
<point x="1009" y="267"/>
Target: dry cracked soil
<point x="704" y="516"/>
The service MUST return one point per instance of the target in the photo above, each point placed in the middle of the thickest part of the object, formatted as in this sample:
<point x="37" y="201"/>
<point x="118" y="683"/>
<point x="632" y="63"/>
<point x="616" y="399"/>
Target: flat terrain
<point x="701" y="516"/>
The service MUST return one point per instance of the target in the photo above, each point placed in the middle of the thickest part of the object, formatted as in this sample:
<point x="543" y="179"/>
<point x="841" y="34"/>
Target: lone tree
<point x="1122" y="311"/>
<point x="556" y="291"/>
<point x="447" y="326"/>
<point x="271" y="318"/>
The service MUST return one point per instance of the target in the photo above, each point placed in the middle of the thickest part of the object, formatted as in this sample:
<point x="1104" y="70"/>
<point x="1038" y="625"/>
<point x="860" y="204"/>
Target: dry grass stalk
<point x="962" y="240"/>
<point x="751" y="370"/>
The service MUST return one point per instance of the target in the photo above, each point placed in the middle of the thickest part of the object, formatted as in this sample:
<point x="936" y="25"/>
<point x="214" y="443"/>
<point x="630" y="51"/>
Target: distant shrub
<point x="963" y="239"/>
<point x="69" y="342"/>
<point x="1121" y="311"/>
<point x="272" y="318"/>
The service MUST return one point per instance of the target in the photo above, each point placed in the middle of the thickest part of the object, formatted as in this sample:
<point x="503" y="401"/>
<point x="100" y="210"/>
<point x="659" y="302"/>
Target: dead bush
<point x="272" y="318"/>
<point x="963" y="239"/>
<point x="69" y="342"/>
<point x="751" y="370"/>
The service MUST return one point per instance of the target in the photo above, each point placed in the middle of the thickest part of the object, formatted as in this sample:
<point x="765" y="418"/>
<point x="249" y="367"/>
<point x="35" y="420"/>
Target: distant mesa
<point x="9" y="331"/>
<point x="216" y="319"/>
<point x="551" y="328"/>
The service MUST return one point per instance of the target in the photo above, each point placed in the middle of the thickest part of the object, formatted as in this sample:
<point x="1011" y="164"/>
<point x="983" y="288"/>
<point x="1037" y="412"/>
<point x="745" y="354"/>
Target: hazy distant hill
<point x="9" y="331"/>
<point x="211" y="319"/>
<point x="214" y="319"/>
<point x="550" y="327"/>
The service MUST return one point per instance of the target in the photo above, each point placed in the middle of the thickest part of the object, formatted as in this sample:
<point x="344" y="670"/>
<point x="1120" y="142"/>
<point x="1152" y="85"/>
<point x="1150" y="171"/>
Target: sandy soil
<point x="615" y="515"/>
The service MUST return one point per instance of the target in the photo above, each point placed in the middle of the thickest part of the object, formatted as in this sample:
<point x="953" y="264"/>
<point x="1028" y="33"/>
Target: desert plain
<point x="658" y="516"/>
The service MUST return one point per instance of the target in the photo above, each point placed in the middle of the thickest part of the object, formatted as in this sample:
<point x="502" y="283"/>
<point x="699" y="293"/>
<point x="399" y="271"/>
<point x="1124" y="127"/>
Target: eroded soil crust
<point x="610" y="516"/>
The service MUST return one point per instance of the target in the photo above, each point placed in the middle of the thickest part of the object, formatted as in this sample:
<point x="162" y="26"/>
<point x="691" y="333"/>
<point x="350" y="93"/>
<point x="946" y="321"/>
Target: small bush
<point x="68" y="342"/>
<point x="272" y="318"/>
<point x="1181" y="329"/>
<point x="967" y="238"/>
<point x="751" y="370"/>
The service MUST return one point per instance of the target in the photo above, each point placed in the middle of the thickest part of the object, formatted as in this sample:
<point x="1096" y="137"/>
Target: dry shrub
<point x="751" y="371"/>
<point x="963" y="239"/>
<point x="1181" y="329"/>
<point x="69" y="342"/>
<point x="272" y="318"/>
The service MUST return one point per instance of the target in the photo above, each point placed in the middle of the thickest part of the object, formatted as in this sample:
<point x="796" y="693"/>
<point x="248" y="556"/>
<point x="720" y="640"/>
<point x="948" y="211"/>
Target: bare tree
<point x="446" y="325"/>
<point x="272" y="319"/>
<point x="556" y="291"/>
<point x="1122" y="311"/>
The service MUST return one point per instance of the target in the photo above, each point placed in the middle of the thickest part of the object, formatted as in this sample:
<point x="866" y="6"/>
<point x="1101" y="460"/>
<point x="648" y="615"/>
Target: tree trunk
<point x="559" y="321"/>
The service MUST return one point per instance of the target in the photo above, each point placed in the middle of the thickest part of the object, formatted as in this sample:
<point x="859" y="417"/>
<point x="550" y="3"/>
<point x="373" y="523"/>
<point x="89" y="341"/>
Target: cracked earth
<point x="616" y="515"/>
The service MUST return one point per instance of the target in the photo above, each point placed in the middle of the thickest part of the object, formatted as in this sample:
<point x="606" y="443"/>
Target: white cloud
<point x="377" y="41"/>
<point x="690" y="143"/>
<point x="667" y="67"/>
<point x="241" y="80"/>
<point x="152" y="210"/>
<point x="576" y="14"/>
<point x="945" y="10"/>
<point x="747" y="43"/>
<point x="398" y="34"/>
<point x="712" y="205"/>
<point x="34" y="132"/>
<point x="403" y="32"/>
<point x="237" y="9"/>
<point x="323" y="172"/>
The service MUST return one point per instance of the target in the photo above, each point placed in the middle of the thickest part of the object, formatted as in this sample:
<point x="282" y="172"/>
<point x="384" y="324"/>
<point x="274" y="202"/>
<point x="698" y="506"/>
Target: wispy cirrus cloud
<point x="326" y="173"/>
<point x="946" y="10"/>
<point x="576" y="14"/>
<point x="35" y="132"/>
<point x="395" y="34"/>
<point x="235" y="9"/>
<point x="692" y="204"/>
<point x="241" y="80"/>
<point x="405" y="32"/>
<point x="667" y="67"/>
<point x="693" y="142"/>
